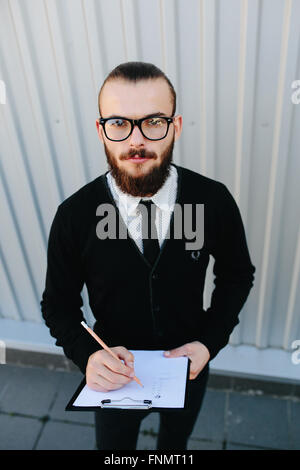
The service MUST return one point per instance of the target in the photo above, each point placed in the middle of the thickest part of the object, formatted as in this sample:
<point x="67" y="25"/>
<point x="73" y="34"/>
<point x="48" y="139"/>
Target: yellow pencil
<point x="106" y="347"/>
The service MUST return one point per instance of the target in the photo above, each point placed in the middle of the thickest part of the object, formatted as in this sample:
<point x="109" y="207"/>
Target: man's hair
<point x="136" y="71"/>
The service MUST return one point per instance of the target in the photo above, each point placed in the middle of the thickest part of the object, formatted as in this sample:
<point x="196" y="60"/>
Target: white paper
<point x="163" y="379"/>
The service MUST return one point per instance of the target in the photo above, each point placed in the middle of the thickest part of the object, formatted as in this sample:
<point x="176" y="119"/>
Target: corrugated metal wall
<point x="232" y="63"/>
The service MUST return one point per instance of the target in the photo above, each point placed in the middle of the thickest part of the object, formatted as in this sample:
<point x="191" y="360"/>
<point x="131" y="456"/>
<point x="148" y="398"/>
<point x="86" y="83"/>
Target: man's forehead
<point x="135" y="99"/>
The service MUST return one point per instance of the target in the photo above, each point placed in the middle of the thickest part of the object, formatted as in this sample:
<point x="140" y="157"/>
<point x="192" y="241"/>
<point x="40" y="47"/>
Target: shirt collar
<point x="163" y="197"/>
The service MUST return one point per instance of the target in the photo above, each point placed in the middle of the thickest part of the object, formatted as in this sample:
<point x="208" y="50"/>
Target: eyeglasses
<point x="152" y="128"/>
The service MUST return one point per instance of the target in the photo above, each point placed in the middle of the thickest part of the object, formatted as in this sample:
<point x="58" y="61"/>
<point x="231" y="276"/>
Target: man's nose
<point x="136" y="138"/>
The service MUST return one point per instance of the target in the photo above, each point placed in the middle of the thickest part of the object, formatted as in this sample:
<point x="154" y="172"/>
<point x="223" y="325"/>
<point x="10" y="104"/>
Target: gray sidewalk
<point x="236" y="414"/>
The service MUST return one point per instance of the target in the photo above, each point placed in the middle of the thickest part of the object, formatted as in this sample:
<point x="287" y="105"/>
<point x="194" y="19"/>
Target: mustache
<point x="142" y="153"/>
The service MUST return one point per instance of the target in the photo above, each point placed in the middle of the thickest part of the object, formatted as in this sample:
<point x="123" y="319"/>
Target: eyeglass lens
<point x="153" y="128"/>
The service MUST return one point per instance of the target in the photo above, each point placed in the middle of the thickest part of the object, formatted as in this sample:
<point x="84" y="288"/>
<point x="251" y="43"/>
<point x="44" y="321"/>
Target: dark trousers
<point x="119" y="429"/>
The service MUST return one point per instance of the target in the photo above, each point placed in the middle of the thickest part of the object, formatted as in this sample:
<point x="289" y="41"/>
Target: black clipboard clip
<point x="132" y="405"/>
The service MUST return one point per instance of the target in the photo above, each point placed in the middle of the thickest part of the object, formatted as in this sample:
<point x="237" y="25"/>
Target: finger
<point x="193" y="373"/>
<point x="96" y="387"/>
<point x="177" y="352"/>
<point x="113" y="364"/>
<point x="112" y="377"/>
<point x="125" y="355"/>
<point x="130" y="364"/>
<point x="101" y="385"/>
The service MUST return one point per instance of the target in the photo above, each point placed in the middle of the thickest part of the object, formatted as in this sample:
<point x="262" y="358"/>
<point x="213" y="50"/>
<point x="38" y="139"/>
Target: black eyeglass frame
<point x="135" y="122"/>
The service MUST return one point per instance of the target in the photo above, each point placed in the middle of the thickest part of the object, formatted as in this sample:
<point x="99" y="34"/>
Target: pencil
<point x="106" y="347"/>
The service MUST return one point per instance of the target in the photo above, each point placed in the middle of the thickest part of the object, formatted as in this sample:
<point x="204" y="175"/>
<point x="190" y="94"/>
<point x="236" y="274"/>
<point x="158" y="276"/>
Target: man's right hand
<point x="105" y="373"/>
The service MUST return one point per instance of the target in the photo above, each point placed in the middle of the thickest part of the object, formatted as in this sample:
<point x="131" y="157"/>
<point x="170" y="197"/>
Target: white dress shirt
<point x="164" y="199"/>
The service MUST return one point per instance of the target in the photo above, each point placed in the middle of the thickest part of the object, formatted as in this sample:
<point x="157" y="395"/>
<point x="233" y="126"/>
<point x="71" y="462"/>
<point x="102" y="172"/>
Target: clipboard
<point x="126" y="402"/>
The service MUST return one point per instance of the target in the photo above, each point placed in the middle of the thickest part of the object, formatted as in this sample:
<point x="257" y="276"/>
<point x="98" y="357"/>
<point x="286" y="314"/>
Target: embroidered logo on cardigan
<point x="196" y="255"/>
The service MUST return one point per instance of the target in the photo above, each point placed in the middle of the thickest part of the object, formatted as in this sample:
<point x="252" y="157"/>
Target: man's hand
<point x="105" y="373"/>
<point x="196" y="352"/>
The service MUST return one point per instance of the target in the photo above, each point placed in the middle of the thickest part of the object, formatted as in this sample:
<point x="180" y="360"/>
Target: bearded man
<point x="145" y="290"/>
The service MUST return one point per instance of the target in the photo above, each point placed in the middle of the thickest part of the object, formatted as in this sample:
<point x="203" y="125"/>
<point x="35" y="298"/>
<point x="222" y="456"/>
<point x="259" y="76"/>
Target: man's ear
<point x="177" y="126"/>
<point x="99" y="130"/>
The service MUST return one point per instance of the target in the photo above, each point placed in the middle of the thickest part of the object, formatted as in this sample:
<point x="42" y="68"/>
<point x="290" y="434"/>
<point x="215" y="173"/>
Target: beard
<point x="144" y="185"/>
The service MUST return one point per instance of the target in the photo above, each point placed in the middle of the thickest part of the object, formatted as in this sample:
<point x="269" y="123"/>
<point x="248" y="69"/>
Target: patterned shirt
<point x="164" y="199"/>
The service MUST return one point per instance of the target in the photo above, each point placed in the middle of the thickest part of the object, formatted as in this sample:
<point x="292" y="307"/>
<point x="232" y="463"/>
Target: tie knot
<point x="147" y="203"/>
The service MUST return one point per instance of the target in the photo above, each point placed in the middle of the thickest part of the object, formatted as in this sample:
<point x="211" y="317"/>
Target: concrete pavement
<point x="236" y="414"/>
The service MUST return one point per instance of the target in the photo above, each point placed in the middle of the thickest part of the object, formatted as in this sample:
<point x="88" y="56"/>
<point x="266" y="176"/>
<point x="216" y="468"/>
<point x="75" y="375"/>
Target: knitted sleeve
<point x="61" y="300"/>
<point x="234" y="275"/>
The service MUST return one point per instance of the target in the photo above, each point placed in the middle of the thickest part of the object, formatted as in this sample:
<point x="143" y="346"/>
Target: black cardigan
<point x="136" y="305"/>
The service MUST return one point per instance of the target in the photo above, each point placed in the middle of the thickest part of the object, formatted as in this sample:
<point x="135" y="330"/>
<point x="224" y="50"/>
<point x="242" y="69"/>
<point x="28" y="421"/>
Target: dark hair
<point x="135" y="71"/>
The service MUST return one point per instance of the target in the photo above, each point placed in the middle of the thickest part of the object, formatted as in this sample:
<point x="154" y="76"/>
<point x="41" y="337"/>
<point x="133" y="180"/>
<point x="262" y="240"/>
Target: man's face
<point x="131" y="100"/>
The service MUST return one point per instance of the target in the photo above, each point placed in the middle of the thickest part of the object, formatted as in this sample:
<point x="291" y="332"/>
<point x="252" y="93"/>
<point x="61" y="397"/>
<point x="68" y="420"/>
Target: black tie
<point x="150" y="240"/>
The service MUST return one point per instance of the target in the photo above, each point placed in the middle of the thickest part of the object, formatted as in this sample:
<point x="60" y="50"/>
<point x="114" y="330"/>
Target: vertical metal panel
<point x="275" y="182"/>
<point x="232" y="64"/>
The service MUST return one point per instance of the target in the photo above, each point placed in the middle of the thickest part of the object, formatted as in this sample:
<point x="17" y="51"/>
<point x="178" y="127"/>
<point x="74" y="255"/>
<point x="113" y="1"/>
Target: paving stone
<point x="222" y="382"/>
<point x="231" y="446"/>
<point x="258" y="421"/>
<point x="210" y="422"/>
<point x="146" y="442"/>
<point x="296" y="390"/>
<point x="262" y="387"/>
<point x="295" y="425"/>
<point x="254" y="420"/>
<point x="18" y="433"/>
<point x="149" y="426"/>
<point x="194" y="444"/>
<point x="29" y="391"/>
<point x="150" y="423"/>
<point x="68" y="385"/>
<point x="66" y="436"/>
<point x="39" y="359"/>
<point x="5" y="373"/>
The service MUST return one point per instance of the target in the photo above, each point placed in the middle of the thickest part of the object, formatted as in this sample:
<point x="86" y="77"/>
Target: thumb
<point x="125" y="355"/>
<point x="177" y="352"/>
<point x="129" y="361"/>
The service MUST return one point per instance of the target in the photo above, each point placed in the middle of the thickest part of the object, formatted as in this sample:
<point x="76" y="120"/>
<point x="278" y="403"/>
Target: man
<point x="145" y="292"/>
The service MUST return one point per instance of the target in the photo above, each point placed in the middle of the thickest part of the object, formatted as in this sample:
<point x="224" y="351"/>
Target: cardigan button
<point x="154" y="276"/>
<point x="156" y="308"/>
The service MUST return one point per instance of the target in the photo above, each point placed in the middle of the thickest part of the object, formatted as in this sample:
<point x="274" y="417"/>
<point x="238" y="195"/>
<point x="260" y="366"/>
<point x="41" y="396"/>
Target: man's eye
<point x="117" y="123"/>
<point x="154" y="122"/>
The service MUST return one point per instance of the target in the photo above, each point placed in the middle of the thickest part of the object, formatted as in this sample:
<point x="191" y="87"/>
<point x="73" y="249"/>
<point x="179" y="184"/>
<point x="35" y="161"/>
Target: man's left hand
<point x="196" y="352"/>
